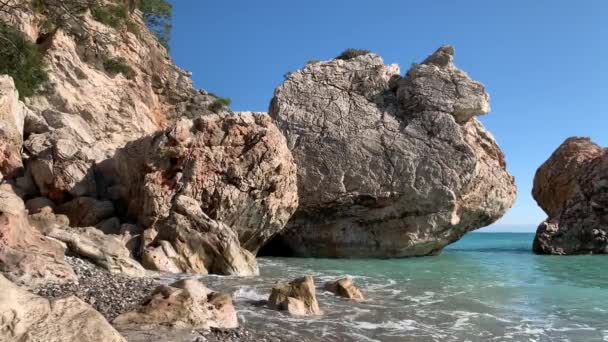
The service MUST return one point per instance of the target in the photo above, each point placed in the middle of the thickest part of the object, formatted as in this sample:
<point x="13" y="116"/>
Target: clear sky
<point x="544" y="62"/>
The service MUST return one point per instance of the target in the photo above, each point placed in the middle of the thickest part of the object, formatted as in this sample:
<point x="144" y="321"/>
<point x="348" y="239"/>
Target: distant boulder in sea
<point x="388" y="166"/>
<point x="572" y="188"/>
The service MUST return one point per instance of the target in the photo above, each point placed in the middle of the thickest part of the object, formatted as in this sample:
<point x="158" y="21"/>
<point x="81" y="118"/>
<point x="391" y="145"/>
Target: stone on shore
<point x="183" y="304"/>
<point x="26" y="317"/>
<point x="107" y="251"/>
<point x="26" y="256"/>
<point x="189" y="241"/>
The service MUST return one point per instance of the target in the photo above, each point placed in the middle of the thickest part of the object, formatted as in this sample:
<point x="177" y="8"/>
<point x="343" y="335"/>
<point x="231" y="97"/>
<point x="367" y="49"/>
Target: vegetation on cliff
<point x="23" y="60"/>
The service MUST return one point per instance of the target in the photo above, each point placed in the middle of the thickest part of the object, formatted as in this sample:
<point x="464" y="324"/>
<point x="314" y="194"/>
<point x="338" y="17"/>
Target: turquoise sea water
<point x="486" y="287"/>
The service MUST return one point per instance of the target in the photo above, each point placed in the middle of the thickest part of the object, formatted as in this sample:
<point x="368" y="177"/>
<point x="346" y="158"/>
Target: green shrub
<point x="21" y="60"/>
<point x="118" y="65"/>
<point x="157" y="15"/>
<point x="312" y="61"/>
<point x="219" y="103"/>
<point x="113" y="15"/>
<point x="352" y="53"/>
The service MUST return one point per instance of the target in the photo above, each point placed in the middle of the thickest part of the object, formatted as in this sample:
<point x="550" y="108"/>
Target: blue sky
<point x="544" y="62"/>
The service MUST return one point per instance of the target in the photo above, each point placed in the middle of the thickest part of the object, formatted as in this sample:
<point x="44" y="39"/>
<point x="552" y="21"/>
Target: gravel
<point x="114" y="294"/>
<point x="110" y="294"/>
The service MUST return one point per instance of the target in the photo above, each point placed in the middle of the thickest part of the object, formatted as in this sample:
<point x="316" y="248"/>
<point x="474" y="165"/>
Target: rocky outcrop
<point x="388" y="166"/>
<point x="27" y="317"/>
<point x="189" y="241"/>
<point x="184" y="304"/>
<point x="86" y="211"/>
<point x="107" y="251"/>
<point x="298" y="297"/>
<point x="61" y="164"/>
<point x="12" y="116"/>
<point x="235" y="166"/>
<point x="572" y="188"/>
<point x="118" y="107"/>
<point x="26" y="256"/>
<point x="344" y="287"/>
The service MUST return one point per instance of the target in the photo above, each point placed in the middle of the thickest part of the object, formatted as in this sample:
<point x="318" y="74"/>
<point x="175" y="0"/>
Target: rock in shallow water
<point x="388" y="166"/>
<point x="344" y="287"/>
<point x="572" y="188"/>
<point x="298" y="297"/>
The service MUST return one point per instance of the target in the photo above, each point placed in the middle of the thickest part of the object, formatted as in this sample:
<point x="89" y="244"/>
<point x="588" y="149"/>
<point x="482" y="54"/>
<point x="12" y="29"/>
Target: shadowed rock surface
<point x="388" y="166"/>
<point x="26" y="256"/>
<point x="104" y="250"/>
<point x="572" y="188"/>
<point x="189" y="241"/>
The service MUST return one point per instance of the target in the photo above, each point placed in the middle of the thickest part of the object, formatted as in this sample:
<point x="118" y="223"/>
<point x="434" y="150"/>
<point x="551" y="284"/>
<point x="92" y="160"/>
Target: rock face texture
<point x="215" y="189"/>
<point x="344" y="287"/>
<point x="27" y="317"/>
<point x="107" y="251"/>
<point x="117" y="107"/>
<point x="12" y="117"/>
<point x="298" y="297"/>
<point x="184" y="304"/>
<point x="388" y="166"/>
<point x="189" y="241"/>
<point x="26" y="256"/>
<point x="572" y="188"/>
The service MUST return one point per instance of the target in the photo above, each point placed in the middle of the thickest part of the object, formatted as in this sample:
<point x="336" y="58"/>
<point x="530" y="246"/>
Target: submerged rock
<point x="388" y="166"/>
<point x="298" y="297"/>
<point x="572" y="188"/>
<point x="25" y="317"/>
<point x="344" y="287"/>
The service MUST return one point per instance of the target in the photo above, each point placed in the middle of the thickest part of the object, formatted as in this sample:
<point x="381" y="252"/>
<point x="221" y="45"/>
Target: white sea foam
<point x="250" y="293"/>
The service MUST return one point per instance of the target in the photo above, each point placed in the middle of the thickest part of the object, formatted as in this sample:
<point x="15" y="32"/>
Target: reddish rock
<point x="26" y="256"/>
<point x="572" y="188"/>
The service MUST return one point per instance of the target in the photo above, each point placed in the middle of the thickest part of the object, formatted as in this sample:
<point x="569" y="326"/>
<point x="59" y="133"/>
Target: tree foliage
<point x="352" y="53"/>
<point x="157" y="15"/>
<point x="21" y="60"/>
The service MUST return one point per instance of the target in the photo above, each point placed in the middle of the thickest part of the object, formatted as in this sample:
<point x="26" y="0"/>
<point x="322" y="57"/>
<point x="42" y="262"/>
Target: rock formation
<point x="189" y="241"/>
<point x="30" y="318"/>
<point x="107" y="251"/>
<point x="12" y="116"/>
<point x="344" y="287"/>
<point x="388" y="166"/>
<point x="298" y="297"/>
<point x="572" y="188"/>
<point x="184" y="304"/>
<point x="236" y="166"/>
<point x="26" y="256"/>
